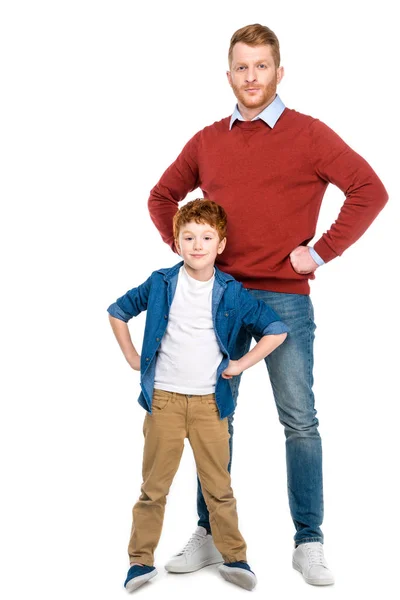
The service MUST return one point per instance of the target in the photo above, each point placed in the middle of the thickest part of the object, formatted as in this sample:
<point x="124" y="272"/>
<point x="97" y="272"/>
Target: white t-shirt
<point x="189" y="354"/>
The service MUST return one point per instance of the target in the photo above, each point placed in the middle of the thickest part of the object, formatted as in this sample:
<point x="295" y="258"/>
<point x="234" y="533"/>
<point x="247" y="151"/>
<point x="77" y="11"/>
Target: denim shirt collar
<point x="173" y="272"/>
<point x="171" y="278"/>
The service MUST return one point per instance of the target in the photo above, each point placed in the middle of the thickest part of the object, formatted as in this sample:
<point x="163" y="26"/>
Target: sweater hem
<point x="289" y="286"/>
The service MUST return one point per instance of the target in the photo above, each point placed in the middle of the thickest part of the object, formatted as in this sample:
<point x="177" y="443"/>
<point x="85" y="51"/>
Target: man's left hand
<point x="301" y="260"/>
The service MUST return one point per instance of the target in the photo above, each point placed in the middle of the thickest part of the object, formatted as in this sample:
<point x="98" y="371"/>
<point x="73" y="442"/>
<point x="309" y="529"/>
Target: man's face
<point x="199" y="244"/>
<point x="253" y="75"/>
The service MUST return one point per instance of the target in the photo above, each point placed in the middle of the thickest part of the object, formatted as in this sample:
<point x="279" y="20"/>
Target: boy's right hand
<point x="134" y="362"/>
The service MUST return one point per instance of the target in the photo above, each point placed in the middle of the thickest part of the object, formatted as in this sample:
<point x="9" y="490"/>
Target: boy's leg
<point x="209" y="438"/>
<point x="242" y="347"/>
<point x="164" y="431"/>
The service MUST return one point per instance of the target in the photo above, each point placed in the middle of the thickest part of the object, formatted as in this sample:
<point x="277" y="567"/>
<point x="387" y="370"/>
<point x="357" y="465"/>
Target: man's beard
<point x="267" y="95"/>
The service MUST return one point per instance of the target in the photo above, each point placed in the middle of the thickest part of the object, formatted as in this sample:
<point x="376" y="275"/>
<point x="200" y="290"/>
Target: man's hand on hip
<point x="302" y="261"/>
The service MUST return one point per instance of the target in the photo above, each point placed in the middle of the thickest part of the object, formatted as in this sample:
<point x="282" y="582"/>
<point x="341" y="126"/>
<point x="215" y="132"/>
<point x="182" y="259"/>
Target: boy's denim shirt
<point x="232" y="307"/>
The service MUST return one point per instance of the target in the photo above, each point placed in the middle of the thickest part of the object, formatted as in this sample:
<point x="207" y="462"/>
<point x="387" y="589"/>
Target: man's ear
<point x="228" y="74"/>
<point x="221" y="246"/>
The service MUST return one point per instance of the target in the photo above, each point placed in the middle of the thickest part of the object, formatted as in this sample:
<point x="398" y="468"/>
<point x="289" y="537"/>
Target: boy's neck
<point x="200" y="274"/>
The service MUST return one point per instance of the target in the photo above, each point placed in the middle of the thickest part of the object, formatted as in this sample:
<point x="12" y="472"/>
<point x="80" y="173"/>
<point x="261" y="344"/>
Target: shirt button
<point x="157" y="339"/>
<point x="227" y="314"/>
<point x="147" y="359"/>
<point x="165" y="316"/>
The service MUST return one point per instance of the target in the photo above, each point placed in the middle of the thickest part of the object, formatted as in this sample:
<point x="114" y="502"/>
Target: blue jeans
<point x="290" y="369"/>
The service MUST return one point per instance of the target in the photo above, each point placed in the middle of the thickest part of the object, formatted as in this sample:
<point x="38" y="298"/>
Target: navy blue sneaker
<point x="239" y="573"/>
<point x="137" y="576"/>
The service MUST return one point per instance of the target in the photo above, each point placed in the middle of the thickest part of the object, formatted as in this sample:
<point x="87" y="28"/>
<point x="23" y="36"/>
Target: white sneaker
<point x="309" y="560"/>
<point x="198" y="553"/>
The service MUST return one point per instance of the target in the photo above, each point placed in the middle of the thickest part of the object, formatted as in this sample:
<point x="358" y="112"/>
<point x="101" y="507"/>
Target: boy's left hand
<point x="232" y="369"/>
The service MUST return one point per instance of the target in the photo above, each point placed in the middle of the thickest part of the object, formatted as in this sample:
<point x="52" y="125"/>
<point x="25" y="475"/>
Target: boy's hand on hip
<point x="134" y="362"/>
<point x="302" y="261"/>
<point x="232" y="369"/>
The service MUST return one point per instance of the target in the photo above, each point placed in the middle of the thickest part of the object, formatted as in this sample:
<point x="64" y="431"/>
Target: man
<point x="269" y="167"/>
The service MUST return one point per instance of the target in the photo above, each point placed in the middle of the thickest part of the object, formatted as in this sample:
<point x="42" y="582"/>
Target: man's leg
<point x="290" y="368"/>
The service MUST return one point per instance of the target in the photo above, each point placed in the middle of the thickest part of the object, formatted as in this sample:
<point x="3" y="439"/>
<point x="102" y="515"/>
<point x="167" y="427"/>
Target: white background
<point x="98" y="98"/>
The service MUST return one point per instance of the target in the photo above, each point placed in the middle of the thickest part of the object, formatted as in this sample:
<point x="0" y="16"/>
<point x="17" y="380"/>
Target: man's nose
<point x="251" y="75"/>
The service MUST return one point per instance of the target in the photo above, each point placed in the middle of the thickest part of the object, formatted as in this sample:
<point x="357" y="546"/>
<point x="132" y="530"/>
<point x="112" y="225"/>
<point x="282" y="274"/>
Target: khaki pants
<point x="174" y="418"/>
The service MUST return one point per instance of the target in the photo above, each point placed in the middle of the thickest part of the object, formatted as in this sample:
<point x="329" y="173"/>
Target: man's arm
<point x="335" y="162"/>
<point x="121" y="332"/>
<point x="178" y="180"/>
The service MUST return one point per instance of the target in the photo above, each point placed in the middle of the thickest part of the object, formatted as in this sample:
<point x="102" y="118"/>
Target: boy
<point x="195" y="312"/>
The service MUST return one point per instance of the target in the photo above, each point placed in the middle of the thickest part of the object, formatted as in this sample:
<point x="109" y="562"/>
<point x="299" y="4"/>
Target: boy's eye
<point x="188" y="239"/>
<point x="208" y="238"/>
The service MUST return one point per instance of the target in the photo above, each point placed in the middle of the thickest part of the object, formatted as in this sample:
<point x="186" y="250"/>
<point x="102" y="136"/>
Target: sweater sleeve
<point x="335" y="162"/>
<point x="178" y="180"/>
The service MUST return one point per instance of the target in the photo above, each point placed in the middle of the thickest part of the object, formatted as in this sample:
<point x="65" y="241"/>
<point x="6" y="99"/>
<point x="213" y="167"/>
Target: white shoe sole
<point x="136" y="582"/>
<point x="311" y="581"/>
<point x="238" y="576"/>
<point x="192" y="568"/>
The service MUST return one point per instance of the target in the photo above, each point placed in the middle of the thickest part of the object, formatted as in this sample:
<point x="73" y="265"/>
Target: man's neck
<point x="250" y="113"/>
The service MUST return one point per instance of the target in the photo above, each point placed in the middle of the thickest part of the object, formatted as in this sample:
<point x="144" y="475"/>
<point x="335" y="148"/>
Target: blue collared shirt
<point x="270" y="116"/>
<point x="232" y="308"/>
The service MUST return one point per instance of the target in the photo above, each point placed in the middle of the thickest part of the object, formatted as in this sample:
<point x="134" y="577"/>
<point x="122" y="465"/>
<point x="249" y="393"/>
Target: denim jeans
<point x="290" y="369"/>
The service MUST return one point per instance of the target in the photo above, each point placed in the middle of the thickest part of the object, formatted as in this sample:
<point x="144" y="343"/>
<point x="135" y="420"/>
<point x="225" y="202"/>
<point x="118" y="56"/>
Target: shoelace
<point x="316" y="556"/>
<point x="194" y="542"/>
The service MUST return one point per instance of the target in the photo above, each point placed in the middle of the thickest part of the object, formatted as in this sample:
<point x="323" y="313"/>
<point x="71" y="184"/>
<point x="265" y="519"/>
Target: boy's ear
<point x="221" y="246"/>
<point x="177" y="246"/>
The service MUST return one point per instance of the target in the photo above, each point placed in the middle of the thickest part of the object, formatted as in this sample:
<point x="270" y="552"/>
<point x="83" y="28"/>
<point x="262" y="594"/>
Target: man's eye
<point x="240" y="68"/>
<point x="262" y="66"/>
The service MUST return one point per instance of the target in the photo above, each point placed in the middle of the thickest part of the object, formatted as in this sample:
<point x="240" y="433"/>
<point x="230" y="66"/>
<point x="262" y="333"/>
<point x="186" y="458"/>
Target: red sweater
<point x="271" y="183"/>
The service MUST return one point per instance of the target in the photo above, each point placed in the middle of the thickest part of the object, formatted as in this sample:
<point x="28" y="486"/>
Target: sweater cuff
<point x="324" y="251"/>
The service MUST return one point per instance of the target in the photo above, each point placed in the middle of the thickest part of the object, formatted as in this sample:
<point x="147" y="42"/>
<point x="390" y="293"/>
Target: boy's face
<point x="199" y="245"/>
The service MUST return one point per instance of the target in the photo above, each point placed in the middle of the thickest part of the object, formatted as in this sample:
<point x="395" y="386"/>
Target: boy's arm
<point x="120" y="312"/>
<point x="263" y="322"/>
<point x="121" y="332"/>
<point x="265" y="346"/>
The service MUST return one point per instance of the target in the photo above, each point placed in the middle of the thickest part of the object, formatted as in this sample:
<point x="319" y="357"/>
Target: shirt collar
<point x="269" y="115"/>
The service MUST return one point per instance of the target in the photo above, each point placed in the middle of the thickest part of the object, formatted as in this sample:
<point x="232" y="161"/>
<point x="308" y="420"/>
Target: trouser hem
<point x="308" y="540"/>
